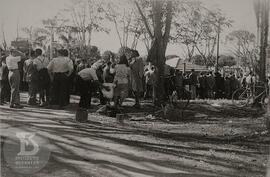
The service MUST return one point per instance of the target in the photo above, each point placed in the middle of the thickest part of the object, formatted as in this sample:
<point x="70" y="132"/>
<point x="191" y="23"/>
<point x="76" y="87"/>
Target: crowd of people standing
<point x="51" y="82"/>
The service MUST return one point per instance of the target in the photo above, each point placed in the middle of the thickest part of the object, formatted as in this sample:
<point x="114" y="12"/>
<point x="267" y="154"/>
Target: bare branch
<point x="144" y="19"/>
<point x="168" y="22"/>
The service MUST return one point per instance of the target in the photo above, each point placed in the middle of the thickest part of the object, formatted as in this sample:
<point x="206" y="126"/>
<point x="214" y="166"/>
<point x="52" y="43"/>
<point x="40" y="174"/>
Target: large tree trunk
<point x="157" y="57"/>
<point x="160" y="40"/>
<point x="159" y="45"/>
<point x="264" y="38"/>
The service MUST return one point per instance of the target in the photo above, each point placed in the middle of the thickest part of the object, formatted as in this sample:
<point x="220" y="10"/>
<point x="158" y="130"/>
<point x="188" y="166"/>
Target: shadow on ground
<point x="96" y="148"/>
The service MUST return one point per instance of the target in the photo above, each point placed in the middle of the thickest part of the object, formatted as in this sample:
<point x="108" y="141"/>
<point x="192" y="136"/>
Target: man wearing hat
<point x="14" y="76"/>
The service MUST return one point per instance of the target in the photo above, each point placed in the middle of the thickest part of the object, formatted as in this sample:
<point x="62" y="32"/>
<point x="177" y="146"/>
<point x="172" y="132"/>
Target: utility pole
<point x="4" y="38"/>
<point x="51" y="28"/>
<point x="17" y="31"/>
<point x="30" y="45"/>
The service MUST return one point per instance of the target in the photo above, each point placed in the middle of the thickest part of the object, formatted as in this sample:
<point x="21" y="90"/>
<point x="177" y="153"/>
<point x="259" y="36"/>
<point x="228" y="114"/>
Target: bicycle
<point x="258" y="93"/>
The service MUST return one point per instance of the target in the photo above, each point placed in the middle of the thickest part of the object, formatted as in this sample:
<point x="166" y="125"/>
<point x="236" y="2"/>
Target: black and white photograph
<point x="135" y="88"/>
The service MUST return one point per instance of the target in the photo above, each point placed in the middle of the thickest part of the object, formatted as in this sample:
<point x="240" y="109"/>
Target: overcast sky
<point x="31" y="12"/>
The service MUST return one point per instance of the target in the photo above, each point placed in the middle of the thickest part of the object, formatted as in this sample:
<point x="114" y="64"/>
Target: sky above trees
<point x="32" y="12"/>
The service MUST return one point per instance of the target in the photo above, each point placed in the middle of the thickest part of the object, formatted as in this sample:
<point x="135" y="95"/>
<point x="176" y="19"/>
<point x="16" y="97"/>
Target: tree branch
<point x="168" y="22"/>
<point x="144" y="19"/>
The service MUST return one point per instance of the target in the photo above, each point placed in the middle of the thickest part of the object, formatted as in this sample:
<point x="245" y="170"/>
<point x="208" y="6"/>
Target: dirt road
<point x="218" y="143"/>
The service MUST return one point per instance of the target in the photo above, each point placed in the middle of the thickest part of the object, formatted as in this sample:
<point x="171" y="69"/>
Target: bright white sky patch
<point x="31" y="12"/>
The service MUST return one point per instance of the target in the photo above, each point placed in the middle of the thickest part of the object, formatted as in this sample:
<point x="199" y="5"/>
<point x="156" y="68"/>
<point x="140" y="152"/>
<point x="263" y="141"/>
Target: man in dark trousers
<point x="4" y="85"/>
<point x="202" y="87"/>
<point x="211" y="85"/>
<point x="60" y="68"/>
<point x="14" y="77"/>
<point x="87" y="83"/>
<point x="219" y="85"/>
<point x="41" y="63"/>
<point x="193" y="81"/>
<point x="31" y="77"/>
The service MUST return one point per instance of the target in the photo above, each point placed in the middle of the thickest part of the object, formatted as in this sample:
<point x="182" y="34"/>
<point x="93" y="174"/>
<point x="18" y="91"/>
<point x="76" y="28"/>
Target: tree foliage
<point x="83" y="18"/>
<point x="244" y="48"/>
<point x="226" y="60"/>
<point x="197" y="28"/>
<point x="126" y="21"/>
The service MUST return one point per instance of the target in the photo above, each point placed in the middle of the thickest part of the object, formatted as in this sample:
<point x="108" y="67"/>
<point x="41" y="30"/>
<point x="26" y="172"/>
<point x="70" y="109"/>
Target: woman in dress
<point x="121" y="80"/>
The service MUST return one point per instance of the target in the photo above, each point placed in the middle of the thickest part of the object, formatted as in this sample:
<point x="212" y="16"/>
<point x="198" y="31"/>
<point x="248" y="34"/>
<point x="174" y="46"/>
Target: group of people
<point x="210" y="85"/>
<point x="51" y="82"/>
<point x="48" y="79"/>
<point x="106" y="77"/>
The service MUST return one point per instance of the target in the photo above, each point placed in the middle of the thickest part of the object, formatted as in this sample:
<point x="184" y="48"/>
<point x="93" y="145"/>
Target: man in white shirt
<point x="60" y="67"/>
<point x="41" y="64"/>
<point x="86" y="80"/>
<point x="87" y="84"/>
<point x="14" y="77"/>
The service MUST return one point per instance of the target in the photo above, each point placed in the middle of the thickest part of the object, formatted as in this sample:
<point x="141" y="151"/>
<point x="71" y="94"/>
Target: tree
<point x="225" y="60"/>
<point x="262" y="14"/>
<point x="159" y="32"/>
<point x="261" y="8"/>
<point x="90" y="53"/>
<point x="185" y="27"/>
<point x="264" y="38"/>
<point x="198" y="28"/>
<point x="244" y="48"/>
<point x="198" y="60"/>
<point x="126" y="21"/>
<point x="85" y="17"/>
<point x="38" y="37"/>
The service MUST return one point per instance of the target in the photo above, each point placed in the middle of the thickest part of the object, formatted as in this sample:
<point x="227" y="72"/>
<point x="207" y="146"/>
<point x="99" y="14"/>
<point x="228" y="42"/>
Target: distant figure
<point x="234" y="83"/>
<point x="219" y="82"/>
<point x="250" y="79"/>
<point x="211" y="85"/>
<point x="202" y="87"/>
<point x="193" y="81"/>
<point x="150" y="81"/>
<point x="168" y="81"/>
<point x="179" y="84"/>
<point x="227" y="87"/>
